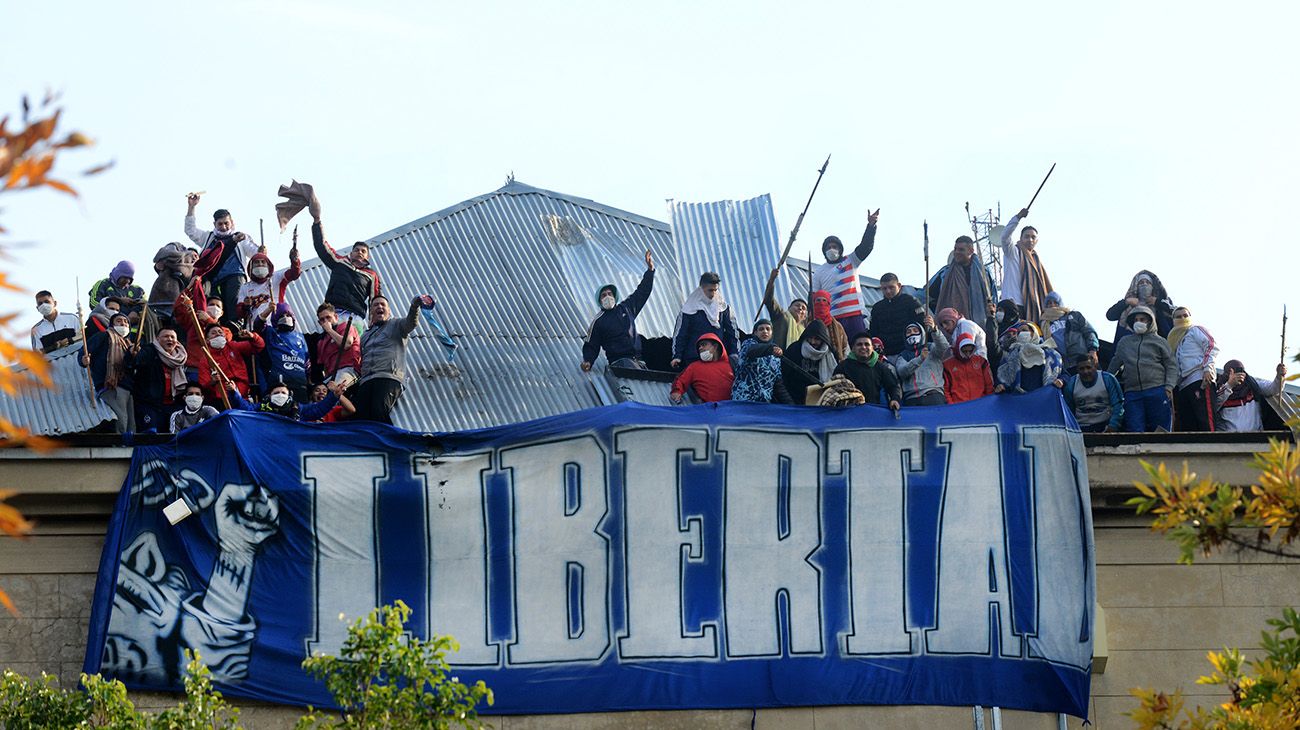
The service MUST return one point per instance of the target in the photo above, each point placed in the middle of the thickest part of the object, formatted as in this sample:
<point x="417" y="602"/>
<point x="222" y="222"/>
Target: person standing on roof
<point x="614" y="329"/>
<point x="871" y="373"/>
<point x="1194" y="351"/>
<point x="383" y="358"/>
<point x="237" y="248"/>
<point x="963" y="285"/>
<point x="159" y="380"/>
<point x="1144" y="290"/>
<point x="891" y="315"/>
<point x="920" y="364"/>
<point x="354" y="282"/>
<point x="1145" y="367"/>
<point x="809" y="361"/>
<point x="704" y="312"/>
<point x="1024" y="280"/>
<point x="787" y="324"/>
<point x="338" y="351"/>
<point x="1241" y="399"/>
<point x="1069" y="331"/>
<point x="1028" y="364"/>
<point x="709" y="376"/>
<point x="266" y="287"/>
<point x="119" y="284"/>
<point x="758" y="369"/>
<point x="839" y="276"/>
<point x="285" y="358"/>
<point x="821" y="304"/>
<point x="110" y="355"/>
<point x="54" y="329"/>
<point x="1095" y="397"/>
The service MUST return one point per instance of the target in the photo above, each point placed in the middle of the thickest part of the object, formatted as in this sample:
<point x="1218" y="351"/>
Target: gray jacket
<point x="383" y="347"/>
<point x="920" y="375"/>
<point x="1144" y="361"/>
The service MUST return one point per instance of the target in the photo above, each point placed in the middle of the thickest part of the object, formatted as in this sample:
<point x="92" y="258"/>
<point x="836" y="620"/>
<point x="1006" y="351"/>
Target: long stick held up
<point x="1282" y="358"/>
<point x="925" y="288"/>
<point x="1040" y="187"/>
<point x="794" y="232"/>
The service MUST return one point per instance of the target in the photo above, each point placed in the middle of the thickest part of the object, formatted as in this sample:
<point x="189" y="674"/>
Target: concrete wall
<point x="1161" y="618"/>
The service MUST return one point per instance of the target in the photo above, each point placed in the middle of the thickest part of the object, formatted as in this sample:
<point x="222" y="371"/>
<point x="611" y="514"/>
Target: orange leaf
<point x="62" y="187"/>
<point x="8" y="603"/>
<point x="12" y="521"/>
<point x="100" y="168"/>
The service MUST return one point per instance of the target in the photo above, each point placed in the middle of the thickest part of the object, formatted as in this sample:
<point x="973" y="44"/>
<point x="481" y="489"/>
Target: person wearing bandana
<point x="1024" y="279"/>
<point x="1146" y="368"/>
<point x="822" y="313"/>
<point x="1240" y="399"/>
<point x="614" y="329"/>
<point x="110" y="359"/>
<point x="1194" y="351"/>
<point x="704" y="312"/>
<point x="920" y="364"/>
<point x="839" y="277"/>
<point x="809" y="361"/>
<point x="1028" y="364"/>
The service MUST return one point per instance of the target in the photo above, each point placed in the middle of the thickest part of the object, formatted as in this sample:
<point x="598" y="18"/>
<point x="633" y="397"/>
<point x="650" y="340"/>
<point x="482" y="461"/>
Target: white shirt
<point x="61" y="321"/>
<point x="1011" y="264"/>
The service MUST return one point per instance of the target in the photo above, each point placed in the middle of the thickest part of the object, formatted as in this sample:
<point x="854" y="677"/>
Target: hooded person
<point x="1144" y="290"/>
<point x="1242" y="402"/>
<point x="920" y="365"/>
<point x="1194" y="351"/>
<point x="235" y="250"/>
<point x="279" y="401"/>
<point x="285" y="358"/>
<point x="705" y="311"/>
<point x="614" y="329"/>
<point x="966" y="375"/>
<point x="809" y="361"/>
<point x="787" y="324"/>
<point x="1070" y="333"/>
<point x="953" y="324"/>
<point x="1146" y="368"/>
<point x="1029" y="364"/>
<point x="870" y="372"/>
<point x="839" y="277"/>
<point x="821" y="307"/>
<point x="963" y="284"/>
<point x="111" y="356"/>
<point x="176" y="266"/>
<point x="265" y="288"/>
<point x="98" y="321"/>
<point x="159" y="379"/>
<point x="1095" y="397"/>
<point x="709" y="376"/>
<point x="757" y="368"/>
<point x="120" y="285"/>
<point x="1024" y="279"/>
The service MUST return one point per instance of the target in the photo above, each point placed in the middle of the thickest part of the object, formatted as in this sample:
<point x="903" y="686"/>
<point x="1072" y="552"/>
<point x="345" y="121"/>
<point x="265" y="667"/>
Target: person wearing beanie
<point x="708" y="376"/>
<point x="966" y="375"/>
<point x="120" y="285"/>
<point x="236" y="249"/>
<point x="1242" y="402"/>
<point x="839" y="277"/>
<point x="285" y="358"/>
<point x="265" y="288"/>
<point x="614" y="328"/>
<point x="870" y="372"/>
<point x="788" y="323"/>
<point x="704" y="312"/>
<point x="1069" y="331"/>
<point x="1029" y="364"/>
<point x="891" y="315"/>
<point x="757" y="368"/>
<point x="1146" y="368"/>
<point x="1194" y="352"/>
<point x="920" y="364"/>
<point x="963" y="284"/>
<point x="1024" y="279"/>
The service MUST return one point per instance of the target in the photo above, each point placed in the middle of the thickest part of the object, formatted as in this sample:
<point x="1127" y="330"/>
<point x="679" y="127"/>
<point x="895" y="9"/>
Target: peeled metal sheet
<point x="69" y="406"/>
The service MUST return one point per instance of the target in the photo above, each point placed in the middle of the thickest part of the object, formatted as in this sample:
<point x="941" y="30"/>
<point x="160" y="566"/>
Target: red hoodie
<point x="966" y="378"/>
<point x="710" y="380"/>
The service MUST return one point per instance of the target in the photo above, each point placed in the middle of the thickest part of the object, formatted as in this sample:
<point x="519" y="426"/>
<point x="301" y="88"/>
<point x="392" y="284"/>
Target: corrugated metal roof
<point x="67" y="407"/>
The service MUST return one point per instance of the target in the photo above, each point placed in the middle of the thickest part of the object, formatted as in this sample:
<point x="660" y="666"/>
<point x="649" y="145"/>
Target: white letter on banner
<point x="457" y="556"/>
<point x="974" y="590"/>
<point x="344" y="488"/>
<point x="659" y="545"/>
<point x="559" y="498"/>
<point x="877" y="483"/>
<point x="1062" y="517"/>
<point x="773" y="526"/>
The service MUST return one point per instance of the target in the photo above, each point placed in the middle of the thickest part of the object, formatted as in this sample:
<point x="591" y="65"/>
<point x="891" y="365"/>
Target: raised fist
<point x="246" y="515"/>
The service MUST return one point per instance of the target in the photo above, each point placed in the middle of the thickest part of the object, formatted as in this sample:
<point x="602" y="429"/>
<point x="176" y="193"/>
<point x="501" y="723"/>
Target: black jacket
<point x="799" y="372"/>
<point x="615" y="329"/>
<point x="889" y="320"/>
<point x="349" y="287"/>
<point x="149" y="379"/>
<point x="98" y="350"/>
<point x="871" y="379"/>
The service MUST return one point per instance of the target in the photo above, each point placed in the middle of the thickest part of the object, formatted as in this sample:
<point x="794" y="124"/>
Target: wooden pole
<point x="85" y="344"/>
<point x="203" y="343"/>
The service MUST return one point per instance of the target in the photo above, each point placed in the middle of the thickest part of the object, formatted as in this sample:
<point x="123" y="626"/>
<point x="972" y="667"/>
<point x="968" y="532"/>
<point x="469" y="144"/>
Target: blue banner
<point x="628" y="557"/>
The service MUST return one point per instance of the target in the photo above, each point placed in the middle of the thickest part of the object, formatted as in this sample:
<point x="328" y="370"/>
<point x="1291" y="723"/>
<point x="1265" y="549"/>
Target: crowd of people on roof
<point x="961" y="343"/>
<point x="215" y="332"/>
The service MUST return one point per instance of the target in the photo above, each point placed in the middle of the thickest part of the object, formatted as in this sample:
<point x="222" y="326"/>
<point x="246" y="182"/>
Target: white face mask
<point x="607" y="302"/>
<point x="1140" y="328"/>
<point x="192" y="402"/>
<point x="121" y="329"/>
<point x="45" y="308"/>
<point x="1024" y="337"/>
<point x="913" y="339"/>
<point x="217" y="342"/>
<point x="706" y="355"/>
<point x="214" y="312"/>
<point x="1001" y="315"/>
<point x="260" y="272"/>
<point x="833" y="254"/>
<point x="279" y="399"/>
<point x="1144" y="291"/>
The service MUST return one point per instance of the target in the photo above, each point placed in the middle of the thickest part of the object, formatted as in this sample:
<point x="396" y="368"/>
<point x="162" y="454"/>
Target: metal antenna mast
<point x="982" y="228"/>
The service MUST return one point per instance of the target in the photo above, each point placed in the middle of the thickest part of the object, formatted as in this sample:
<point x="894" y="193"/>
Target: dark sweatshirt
<point x="350" y="288"/>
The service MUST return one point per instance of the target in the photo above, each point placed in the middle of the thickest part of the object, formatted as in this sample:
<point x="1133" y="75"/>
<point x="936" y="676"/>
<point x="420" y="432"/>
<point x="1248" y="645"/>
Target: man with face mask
<point x="704" y="312"/>
<point x="160" y="378"/>
<point x="1024" y="280"/>
<point x="1146" y="368"/>
<point x="54" y="329"/>
<point x="1194" y="351"/>
<point x="614" y="329"/>
<point x="963" y="285"/>
<point x="280" y="402"/>
<point x="787" y="324"/>
<point x="98" y="321"/>
<point x="966" y="375"/>
<point x="193" y="411"/>
<point x="839" y="276"/>
<point x="891" y="315"/>
<point x="354" y="282"/>
<point x="285" y="358"/>
<point x="1095" y="397"/>
<point x="236" y="250"/>
<point x="920" y="364"/>
<point x="709" y="376"/>
<point x="110" y="359"/>
<point x="1028" y="364"/>
<point x="758" y="369"/>
<point x="230" y="355"/>
<point x="265" y="287"/>
<point x="1144" y="290"/>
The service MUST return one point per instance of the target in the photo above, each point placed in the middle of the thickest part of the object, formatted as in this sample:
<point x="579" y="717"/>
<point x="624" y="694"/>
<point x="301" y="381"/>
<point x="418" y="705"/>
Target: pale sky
<point x="1173" y="126"/>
